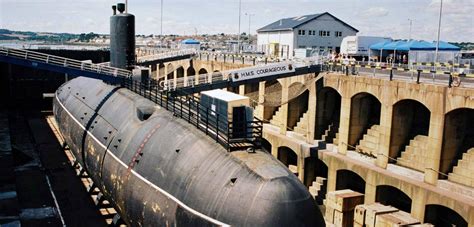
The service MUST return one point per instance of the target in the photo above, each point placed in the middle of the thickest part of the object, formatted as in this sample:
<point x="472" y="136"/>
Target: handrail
<point x="168" y="54"/>
<point x="189" y="108"/>
<point x="64" y="62"/>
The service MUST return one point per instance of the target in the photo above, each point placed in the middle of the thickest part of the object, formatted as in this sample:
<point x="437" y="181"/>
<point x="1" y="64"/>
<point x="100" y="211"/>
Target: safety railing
<point x="64" y="62"/>
<point x="231" y="135"/>
<point x="451" y="75"/>
<point x="163" y="55"/>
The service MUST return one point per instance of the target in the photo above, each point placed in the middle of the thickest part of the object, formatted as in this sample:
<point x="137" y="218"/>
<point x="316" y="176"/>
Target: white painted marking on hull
<point x="195" y="212"/>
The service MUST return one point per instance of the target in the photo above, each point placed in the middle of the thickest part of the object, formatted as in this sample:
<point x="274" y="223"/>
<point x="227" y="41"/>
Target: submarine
<point x="157" y="169"/>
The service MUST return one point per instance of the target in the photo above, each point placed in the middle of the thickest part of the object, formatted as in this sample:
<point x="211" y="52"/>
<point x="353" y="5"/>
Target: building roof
<point x="288" y="24"/>
<point x="190" y="41"/>
<point x="403" y="45"/>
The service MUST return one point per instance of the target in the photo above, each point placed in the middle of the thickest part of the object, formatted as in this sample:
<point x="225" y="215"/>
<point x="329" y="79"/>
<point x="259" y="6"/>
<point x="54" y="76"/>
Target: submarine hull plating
<point x="159" y="170"/>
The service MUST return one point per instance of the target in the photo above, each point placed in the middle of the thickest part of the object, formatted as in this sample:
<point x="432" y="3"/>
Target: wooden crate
<point x="359" y="214"/>
<point x="331" y="198"/>
<point x="375" y="209"/>
<point x="329" y="215"/>
<point x="343" y="219"/>
<point x="395" y="219"/>
<point x="348" y="201"/>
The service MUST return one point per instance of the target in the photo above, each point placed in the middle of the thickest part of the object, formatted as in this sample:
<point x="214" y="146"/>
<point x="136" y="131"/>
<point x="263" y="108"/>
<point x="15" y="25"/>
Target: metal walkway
<point x="68" y="66"/>
<point x="166" y="57"/>
<point x="219" y="80"/>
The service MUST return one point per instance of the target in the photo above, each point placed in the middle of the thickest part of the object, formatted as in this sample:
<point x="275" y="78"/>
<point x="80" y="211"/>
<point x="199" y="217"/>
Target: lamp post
<point x="161" y="19"/>
<point x="439" y="31"/>
<point x="240" y="14"/>
<point x="250" y="22"/>
<point x="409" y="34"/>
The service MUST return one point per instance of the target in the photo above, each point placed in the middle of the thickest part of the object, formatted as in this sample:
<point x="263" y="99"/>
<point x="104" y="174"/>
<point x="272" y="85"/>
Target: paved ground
<point x="39" y="187"/>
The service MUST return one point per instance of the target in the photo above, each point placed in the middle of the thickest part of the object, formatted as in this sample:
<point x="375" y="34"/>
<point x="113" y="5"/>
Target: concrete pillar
<point x="300" y="164"/>
<point x="175" y="79"/>
<point x="332" y="175"/>
<point x="436" y="144"/>
<point x="370" y="188"/>
<point x="242" y="90"/>
<point x="275" y="151"/>
<point x="344" y="125"/>
<point x="383" y="151"/>
<point x="470" y="219"/>
<point x="284" y="107"/>
<point x="310" y="131"/>
<point x="161" y="71"/>
<point x="418" y="204"/>
<point x="260" y="110"/>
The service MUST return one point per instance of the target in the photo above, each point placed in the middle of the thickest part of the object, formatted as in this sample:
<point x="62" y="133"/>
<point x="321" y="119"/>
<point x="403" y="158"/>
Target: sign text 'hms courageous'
<point x="261" y="71"/>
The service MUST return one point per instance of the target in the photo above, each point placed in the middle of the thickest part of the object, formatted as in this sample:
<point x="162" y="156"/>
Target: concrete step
<point x="461" y="179"/>
<point x="463" y="171"/>
<point x="369" y="145"/>
<point x="313" y="191"/>
<point x="468" y="156"/>
<point x="320" y="180"/>
<point x="293" y="169"/>
<point x="370" y="138"/>
<point x="466" y="165"/>
<point x="422" y="138"/>
<point x="373" y="132"/>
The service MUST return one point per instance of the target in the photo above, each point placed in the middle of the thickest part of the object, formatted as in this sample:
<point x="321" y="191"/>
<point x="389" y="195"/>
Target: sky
<point x="388" y="18"/>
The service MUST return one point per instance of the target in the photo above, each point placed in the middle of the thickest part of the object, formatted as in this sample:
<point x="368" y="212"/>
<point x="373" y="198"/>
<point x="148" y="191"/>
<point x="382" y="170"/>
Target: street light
<point x="439" y="31"/>
<point x="250" y="22"/>
<point x="240" y="12"/>
<point x="409" y="34"/>
<point x="161" y="20"/>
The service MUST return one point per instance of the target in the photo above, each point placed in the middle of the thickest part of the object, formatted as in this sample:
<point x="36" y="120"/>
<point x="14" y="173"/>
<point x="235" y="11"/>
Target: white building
<point x="320" y="32"/>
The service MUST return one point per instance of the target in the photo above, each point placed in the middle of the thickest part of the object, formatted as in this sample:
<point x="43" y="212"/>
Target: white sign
<point x="261" y="71"/>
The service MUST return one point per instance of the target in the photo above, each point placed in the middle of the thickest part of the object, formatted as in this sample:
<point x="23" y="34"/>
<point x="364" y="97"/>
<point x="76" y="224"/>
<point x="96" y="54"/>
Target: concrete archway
<point x="365" y="113"/>
<point x="161" y="72"/>
<point x="202" y="71"/>
<point x="347" y="179"/>
<point x="314" y="168"/>
<point x="191" y="71"/>
<point x="439" y="215"/>
<point x="266" y="146"/>
<point x="180" y="72"/>
<point x="458" y="138"/>
<point x="288" y="157"/>
<point x="297" y="106"/>
<point x="410" y="119"/>
<point x="273" y="93"/>
<point x="328" y="113"/>
<point x="217" y="76"/>
<point x="392" y="196"/>
<point x="170" y="72"/>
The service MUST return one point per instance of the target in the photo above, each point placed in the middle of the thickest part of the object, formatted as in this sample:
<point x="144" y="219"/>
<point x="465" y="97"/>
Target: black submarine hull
<point x="157" y="170"/>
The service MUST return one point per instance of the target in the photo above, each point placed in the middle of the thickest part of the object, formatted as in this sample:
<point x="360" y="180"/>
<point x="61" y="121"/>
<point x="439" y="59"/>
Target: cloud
<point x="375" y="12"/>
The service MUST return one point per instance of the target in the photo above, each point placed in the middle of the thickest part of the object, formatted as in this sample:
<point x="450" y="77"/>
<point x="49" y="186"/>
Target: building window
<point x="324" y="33"/>
<point x="338" y="34"/>
<point x="301" y="32"/>
<point x="301" y="47"/>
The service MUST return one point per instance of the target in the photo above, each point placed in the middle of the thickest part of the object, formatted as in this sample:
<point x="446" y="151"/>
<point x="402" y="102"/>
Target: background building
<point x="321" y="32"/>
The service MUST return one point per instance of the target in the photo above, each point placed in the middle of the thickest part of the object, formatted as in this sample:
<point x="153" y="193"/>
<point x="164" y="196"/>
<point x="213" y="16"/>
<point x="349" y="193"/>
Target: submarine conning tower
<point x="122" y="38"/>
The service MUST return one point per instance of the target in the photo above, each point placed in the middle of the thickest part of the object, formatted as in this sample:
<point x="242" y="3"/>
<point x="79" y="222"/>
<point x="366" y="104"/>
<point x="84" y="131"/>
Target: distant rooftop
<point x="288" y="24"/>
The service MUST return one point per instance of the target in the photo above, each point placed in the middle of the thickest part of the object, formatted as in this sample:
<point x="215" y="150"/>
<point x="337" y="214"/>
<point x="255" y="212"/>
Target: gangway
<point x="58" y="64"/>
<point x="237" y="77"/>
<point x="164" y="57"/>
